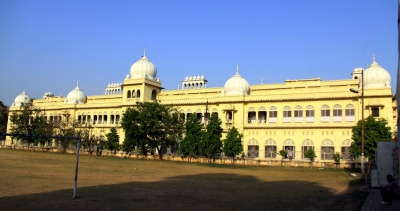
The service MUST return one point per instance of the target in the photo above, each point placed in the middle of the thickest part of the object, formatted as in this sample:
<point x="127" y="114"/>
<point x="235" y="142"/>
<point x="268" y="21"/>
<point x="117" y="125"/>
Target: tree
<point x="211" y="146"/>
<point x="374" y="131"/>
<point x="151" y="125"/>
<point x="233" y="143"/>
<point x="310" y="154"/>
<point x="112" y="142"/>
<point x="190" y="145"/>
<point x="29" y="120"/>
<point x="88" y="139"/>
<point x="66" y="128"/>
<point x="3" y="117"/>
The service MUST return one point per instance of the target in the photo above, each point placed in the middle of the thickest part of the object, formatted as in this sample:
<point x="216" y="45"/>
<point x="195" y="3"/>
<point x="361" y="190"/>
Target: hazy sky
<point x="47" y="46"/>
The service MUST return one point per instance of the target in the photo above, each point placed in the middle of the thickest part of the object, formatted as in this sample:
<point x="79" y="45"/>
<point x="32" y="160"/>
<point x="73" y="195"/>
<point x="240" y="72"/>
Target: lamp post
<point x="362" y="120"/>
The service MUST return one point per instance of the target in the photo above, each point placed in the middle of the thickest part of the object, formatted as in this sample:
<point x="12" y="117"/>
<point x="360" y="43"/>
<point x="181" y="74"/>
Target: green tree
<point x="211" y="146"/>
<point x="112" y="142"/>
<point x="233" y="143"/>
<point x="29" y="120"/>
<point x="190" y="145"/>
<point x="3" y="117"/>
<point x="67" y="128"/>
<point x="310" y="154"/>
<point x="374" y="131"/>
<point x="88" y="139"/>
<point x="151" y="125"/>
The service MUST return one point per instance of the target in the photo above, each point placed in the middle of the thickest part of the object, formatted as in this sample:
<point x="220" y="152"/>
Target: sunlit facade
<point x="294" y="115"/>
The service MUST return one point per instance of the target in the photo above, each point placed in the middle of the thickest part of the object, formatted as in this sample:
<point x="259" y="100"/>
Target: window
<point x="375" y="111"/>
<point x="298" y="114"/>
<point x="327" y="150"/>
<point x="273" y="114"/>
<point x="253" y="149"/>
<point x="306" y="145"/>
<point x="251" y="115"/>
<point x="310" y="114"/>
<point x="270" y="148"/>
<point x="345" y="150"/>
<point x="325" y="114"/>
<point x="350" y="113"/>
<point x="288" y="145"/>
<point x="287" y="114"/>
<point x="262" y="115"/>
<point x="337" y="113"/>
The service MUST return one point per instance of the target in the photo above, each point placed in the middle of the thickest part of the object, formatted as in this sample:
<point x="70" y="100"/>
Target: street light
<point x="362" y="119"/>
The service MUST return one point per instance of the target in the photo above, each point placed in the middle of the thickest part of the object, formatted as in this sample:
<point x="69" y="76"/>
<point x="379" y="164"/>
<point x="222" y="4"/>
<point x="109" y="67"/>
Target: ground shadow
<point x="194" y="192"/>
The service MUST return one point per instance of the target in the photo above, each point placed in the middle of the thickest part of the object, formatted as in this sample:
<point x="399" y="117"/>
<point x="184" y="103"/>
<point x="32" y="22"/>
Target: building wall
<point x="292" y="93"/>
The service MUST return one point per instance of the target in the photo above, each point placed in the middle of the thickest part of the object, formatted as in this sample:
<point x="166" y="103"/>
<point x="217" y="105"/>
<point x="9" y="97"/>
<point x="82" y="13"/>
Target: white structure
<point x="236" y="85"/>
<point x="21" y="99"/>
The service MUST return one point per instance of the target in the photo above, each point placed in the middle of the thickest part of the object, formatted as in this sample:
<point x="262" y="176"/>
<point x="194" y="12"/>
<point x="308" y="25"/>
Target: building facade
<point x="295" y="115"/>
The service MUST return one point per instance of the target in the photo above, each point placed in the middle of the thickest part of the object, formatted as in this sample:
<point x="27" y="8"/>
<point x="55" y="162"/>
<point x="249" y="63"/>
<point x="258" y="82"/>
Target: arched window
<point x="112" y="117"/>
<point x="252" y="148"/>
<point x="117" y="118"/>
<point x="215" y="111"/>
<point x="346" y="154"/>
<point x="262" y="115"/>
<point x="188" y="113"/>
<point x="105" y="119"/>
<point x="128" y="95"/>
<point x="325" y="114"/>
<point x="182" y="114"/>
<point x="287" y="114"/>
<point x="306" y="145"/>
<point x="273" y="114"/>
<point x="350" y="113"/>
<point x="199" y="115"/>
<point x="310" y="116"/>
<point x="138" y="93"/>
<point x="327" y="149"/>
<point x="337" y="113"/>
<point x="94" y="118"/>
<point x="251" y="115"/>
<point x="298" y="114"/>
<point x="154" y="95"/>
<point x="270" y="148"/>
<point x="288" y="145"/>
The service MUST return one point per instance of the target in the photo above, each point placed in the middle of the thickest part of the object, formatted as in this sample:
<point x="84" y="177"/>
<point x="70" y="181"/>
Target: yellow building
<point x="295" y="115"/>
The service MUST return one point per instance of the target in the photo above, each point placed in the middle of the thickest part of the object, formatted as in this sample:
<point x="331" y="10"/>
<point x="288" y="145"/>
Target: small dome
<point x="143" y="68"/>
<point x="237" y="85"/>
<point x="190" y="78"/>
<point x="76" y="96"/>
<point x="202" y="76"/>
<point x="186" y="78"/>
<point x="376" y="77"/>
<point x="22" y="99"/>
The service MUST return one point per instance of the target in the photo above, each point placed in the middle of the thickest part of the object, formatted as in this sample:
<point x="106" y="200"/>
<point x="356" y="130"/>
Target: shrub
<point x="282" y="153"/>
<point x="310" y="153"/>
<point x="337" y="157"/>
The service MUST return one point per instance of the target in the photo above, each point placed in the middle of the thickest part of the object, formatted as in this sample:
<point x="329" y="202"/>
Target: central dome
<point x="143" y="68"/>
<point x="21" y="99"/>
<point x="376" y="77"/>
<point x="76" y="96"/>
<point x="237" y="85"/>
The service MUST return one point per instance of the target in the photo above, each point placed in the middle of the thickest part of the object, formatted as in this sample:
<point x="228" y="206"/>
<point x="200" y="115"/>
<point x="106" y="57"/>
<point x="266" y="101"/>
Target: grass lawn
<point x="44" y="181"/>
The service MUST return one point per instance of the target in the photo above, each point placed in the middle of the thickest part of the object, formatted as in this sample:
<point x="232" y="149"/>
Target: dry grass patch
<point x="44" y="181"/>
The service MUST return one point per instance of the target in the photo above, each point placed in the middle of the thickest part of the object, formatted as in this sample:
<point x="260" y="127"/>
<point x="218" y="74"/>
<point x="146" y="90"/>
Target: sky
<point x="47" y="46"/>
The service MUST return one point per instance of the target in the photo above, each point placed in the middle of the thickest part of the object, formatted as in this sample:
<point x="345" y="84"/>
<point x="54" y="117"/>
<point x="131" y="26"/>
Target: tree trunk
<point x="159" y="152"/>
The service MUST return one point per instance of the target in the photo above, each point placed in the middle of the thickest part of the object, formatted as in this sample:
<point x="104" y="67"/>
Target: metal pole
<point x="76" y="166"/>
<point x="362" y="123"/>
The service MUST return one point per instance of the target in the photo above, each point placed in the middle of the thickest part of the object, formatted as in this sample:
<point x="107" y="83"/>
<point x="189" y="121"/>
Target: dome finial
<point x="77" y="84"/>
<point x="373" y="58"/>
<point x="144" y="52"/>
<point x="237" y="69"/>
